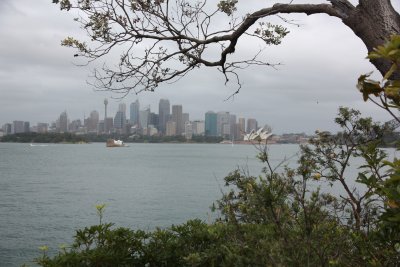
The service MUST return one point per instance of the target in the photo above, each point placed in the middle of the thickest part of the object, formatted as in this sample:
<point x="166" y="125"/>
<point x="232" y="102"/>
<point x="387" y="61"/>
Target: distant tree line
<point x="88" y="138"/>
<point x="44" y="138"/>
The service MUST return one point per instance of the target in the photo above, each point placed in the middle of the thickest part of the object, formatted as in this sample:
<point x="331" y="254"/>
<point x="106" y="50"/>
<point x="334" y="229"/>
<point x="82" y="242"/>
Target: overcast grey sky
<point x="321" y="60"/>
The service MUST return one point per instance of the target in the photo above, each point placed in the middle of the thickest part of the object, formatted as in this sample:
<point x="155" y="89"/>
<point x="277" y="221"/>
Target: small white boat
<point x="115" y="143"/>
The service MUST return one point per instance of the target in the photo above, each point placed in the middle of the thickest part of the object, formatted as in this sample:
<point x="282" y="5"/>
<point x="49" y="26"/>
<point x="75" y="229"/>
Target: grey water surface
<point x="49" y="191"/>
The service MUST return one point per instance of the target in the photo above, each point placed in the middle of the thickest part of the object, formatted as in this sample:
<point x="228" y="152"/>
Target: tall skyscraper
<point x="211" y="123"/>
<point x="188" y="130"/>
<point x="232" y="124"/>
<point x="63" y="122"/>
<point x="92" y="122"/>
<point x="120" y="121"/>
<point x="170" y="129"/>
<point x="185" y="117"/>
<point x="223" y="123"/>
<point x="198" y="127"/>
<point x="42" y="127"/>
<point x="242" y="126"/>
<point x="251" y="125"/>
<point x="164" y="112"/>
<point x="178" y="118"/>
<point x="154" y="119"/>
<point x="134" y="113"/>
<point x="27" y="127"/>
<point x="122" y="108"/>
<point x="7" y="128"/>
<point x="17" y="127"/>
<point x="144" y="118"/>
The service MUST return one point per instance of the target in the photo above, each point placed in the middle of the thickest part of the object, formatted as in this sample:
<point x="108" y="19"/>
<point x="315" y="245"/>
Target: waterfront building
<point x="92" y="122"/>
<point x="154" y="119"/>
<point x="134" y="113"/>
<point x="7" y="128"/>
<point x="242" y="127"/>
<point x="75" y="126"/>
<point x="122" y="108"/>
<point x="237" y="135"/>
<point x="144" y="118"/>
<point x="232" y="124"/>
<point x="108" y="125"/>
<point x="226" y="131"/>
<point x="42" y="127"/>
<point x="170" y="128"/>
<point x="211" y="123"/>
<point x="27" y="127"/>
<point x="251" y="125"/>
<point x="164" y="112"/>
<point x="177" y="117"/>
<point x="17" y="127"/>
<point x="198" y="127"/>
<point x="151" y="130"/>
<point x="185" y="117"/>
<point x="100" y="127"/>
<point x="223" y="123"/>
<point x="120" y="121"/>
<point x="63" y="123"/>
<point x="188" y="130"/>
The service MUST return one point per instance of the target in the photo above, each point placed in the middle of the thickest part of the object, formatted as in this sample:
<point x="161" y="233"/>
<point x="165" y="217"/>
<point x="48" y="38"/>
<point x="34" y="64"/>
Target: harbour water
<point x="49" y="191"/>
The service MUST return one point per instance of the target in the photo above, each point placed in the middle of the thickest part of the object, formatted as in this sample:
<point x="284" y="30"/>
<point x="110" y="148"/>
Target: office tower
<point x="63" y="123"/>
<point x="223" y="123"/>
<point x="105" y="108"/>
<point x="251" y="125"/>
<point x="242" y="126"/>
<point x="237" y="135"/>
<point x="120" y="121"/>
<point x="27" y="127"/>
<point x="188" y="130"/>
<point x="198" y="127"/>
<point x="7" y="128"/>
<point x="108" y="125"/>
<point x="164" y="112"/>
<point x="134" y="113"/>
<point x="232" y="124"/>
<point x="170" y="128"/>
<point x="42" y="127"/>
<point x="211" y="123"/>
<point x="122" y="108"/>
<point x="185" y="117"/>
<point x="178" y="118"/>
<point x="144" y="118"/>
<point x="17" y="127"/>
<point x="154" y="119"/>
<point x="92" y="122"/>
<point x="76" y="125"/>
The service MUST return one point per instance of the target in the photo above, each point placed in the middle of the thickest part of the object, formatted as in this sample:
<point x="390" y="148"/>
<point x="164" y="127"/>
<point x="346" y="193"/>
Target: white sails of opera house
<point x="260" y="135"/>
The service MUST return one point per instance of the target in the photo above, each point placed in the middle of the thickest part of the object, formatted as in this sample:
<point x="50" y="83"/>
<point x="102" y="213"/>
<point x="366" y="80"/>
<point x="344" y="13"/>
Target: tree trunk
<point x="374" y="21"/>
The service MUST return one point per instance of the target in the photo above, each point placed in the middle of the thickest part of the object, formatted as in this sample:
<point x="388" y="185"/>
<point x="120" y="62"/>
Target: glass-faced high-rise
<point x="211" y="124"/>
<point x="164" y="112"/>
<point x="134" y="112"/>
<point x="177" y="118"/>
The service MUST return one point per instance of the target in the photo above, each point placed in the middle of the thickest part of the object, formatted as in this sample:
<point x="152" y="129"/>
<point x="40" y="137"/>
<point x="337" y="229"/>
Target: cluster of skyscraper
<point x="170" y="121"/>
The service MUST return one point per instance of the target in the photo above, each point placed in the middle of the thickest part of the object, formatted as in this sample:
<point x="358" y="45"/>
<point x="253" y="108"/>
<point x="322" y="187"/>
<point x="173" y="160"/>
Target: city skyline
<point x="111" y="113"/>
<point x="170" y="120"/>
